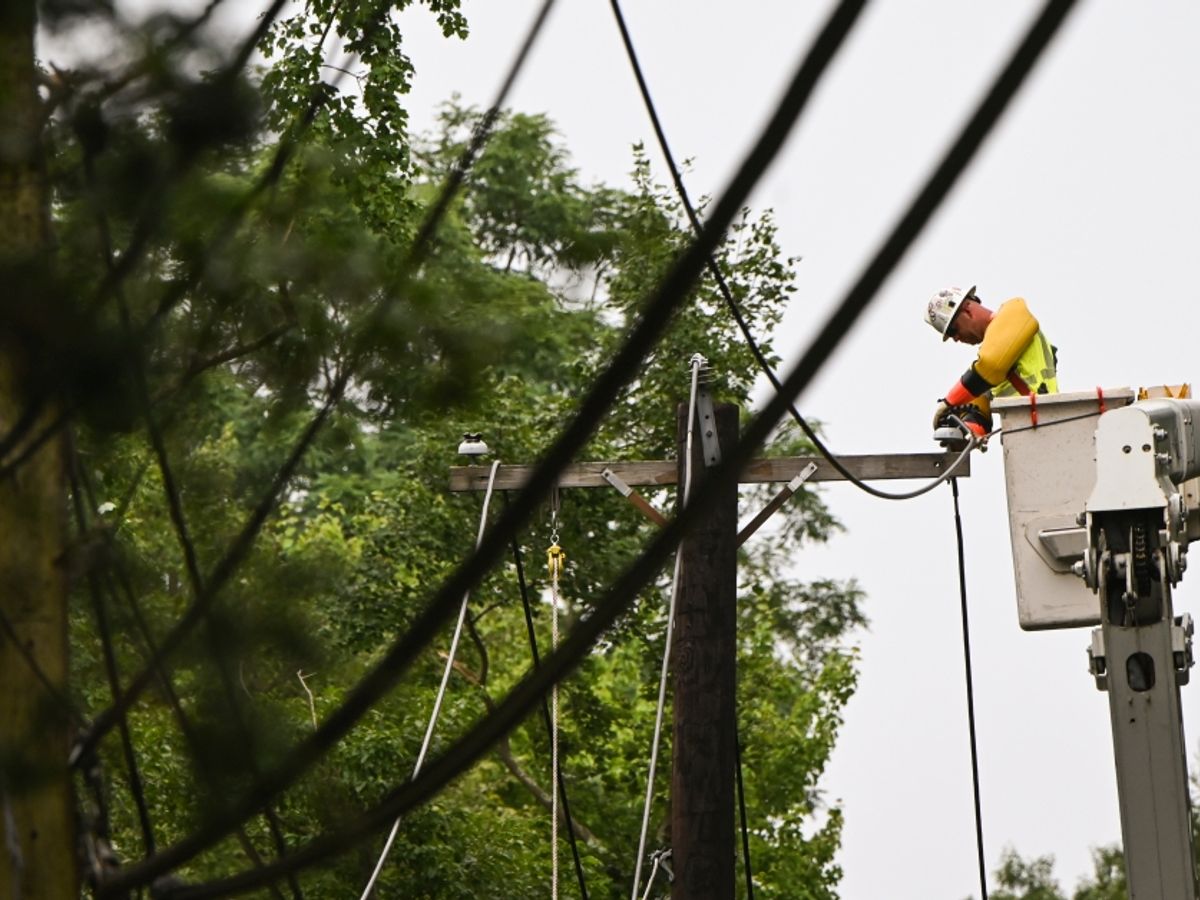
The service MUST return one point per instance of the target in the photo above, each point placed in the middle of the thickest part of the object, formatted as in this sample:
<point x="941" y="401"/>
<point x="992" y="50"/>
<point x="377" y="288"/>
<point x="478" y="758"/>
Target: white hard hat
<point x="944" y="306"/>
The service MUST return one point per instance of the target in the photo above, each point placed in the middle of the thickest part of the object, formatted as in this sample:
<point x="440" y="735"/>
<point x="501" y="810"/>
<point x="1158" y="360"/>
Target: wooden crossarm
<point x="663" y="473"/>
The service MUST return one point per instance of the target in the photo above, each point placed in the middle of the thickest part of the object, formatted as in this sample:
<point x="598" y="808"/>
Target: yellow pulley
<point x="556" y="558"/>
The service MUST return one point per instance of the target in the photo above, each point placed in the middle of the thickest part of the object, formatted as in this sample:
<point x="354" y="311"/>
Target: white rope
<point x="697" y="362"/>
<point x="556" y="557"/>
<point x="650" y="878"/>
<point x="437" y="703"/>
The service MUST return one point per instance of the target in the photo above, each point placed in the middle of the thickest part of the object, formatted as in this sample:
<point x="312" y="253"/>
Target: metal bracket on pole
<point x="777" y="501"/>
<point x="708" y="427"/>
<point x="634" y="497"/>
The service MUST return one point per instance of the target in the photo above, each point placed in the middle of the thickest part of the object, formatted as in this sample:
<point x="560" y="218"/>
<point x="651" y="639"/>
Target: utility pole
<point x="704" y="662"/>
<point x="704" y="646"/>
<point x="37" y="846"/>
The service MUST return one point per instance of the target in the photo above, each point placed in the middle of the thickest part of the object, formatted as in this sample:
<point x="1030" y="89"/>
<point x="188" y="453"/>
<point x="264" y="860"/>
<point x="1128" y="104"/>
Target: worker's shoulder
<point x="1015" y="309"/>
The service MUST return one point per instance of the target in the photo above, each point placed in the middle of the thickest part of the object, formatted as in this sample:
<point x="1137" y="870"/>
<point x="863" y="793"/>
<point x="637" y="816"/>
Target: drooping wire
<point x="741" y="792"/>
<point x="966" y="637"/>
<point x="641" y="337"/>
<point x="441" y="692"/>
<point x="118" y="585"/>
<point x="660" y="858"/>
<point x="697" y="362"/>
<point x="560" y="780"/>
<point x="186" y="543"/>
<point x="132" y="770"/>
<point x="516" y="705"/>
<point x="520" y="700"/>
<point x="719" y="277"/>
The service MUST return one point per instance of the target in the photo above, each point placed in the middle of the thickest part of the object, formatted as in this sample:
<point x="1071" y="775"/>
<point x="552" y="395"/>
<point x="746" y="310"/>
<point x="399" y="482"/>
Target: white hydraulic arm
<point x="1136" y="551"/>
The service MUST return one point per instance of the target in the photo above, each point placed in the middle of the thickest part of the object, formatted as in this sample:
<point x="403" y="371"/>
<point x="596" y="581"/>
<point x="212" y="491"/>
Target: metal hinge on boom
<point x="1181" y="653"/>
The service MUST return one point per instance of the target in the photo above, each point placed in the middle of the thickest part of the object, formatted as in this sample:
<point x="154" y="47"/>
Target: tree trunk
<point x="37" y="852"/>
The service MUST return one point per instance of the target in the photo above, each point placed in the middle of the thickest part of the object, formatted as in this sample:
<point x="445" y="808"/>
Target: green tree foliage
<point x="1020" y="879"/>
<point x="234" y="256"/>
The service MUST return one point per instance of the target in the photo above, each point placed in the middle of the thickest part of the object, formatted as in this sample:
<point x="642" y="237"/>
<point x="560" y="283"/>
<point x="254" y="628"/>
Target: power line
<point x="110" y="660"/>
<point x="966" y="638"/>
<point x="643" y="336"/>
<point x="727" y="295"/>
<point x="118" y="584"/>
<point x="516" y="705"/>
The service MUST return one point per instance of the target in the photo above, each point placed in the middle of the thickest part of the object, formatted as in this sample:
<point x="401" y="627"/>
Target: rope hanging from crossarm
<point x="441" y="694"/>
<point x="555" y="559"/>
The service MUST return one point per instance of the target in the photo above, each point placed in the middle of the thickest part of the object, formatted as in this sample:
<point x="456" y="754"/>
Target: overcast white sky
<point x="1086" y="201"/>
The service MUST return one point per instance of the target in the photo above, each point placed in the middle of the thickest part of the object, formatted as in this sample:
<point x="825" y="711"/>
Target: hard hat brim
<point x="969" y="295"/>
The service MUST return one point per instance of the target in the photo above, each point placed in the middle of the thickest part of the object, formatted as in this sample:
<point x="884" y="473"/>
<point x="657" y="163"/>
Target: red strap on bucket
<point x="1033" y="410"/>
<point x="1015" y="379"/>
<point x="1100" y="397"/>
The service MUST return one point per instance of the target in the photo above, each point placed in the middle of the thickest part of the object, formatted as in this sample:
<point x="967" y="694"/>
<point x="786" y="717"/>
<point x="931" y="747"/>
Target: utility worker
<point x="1014" y="355"/>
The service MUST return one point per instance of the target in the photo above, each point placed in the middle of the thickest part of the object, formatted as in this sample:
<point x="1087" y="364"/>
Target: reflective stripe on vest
<point x="1033" y="373"/>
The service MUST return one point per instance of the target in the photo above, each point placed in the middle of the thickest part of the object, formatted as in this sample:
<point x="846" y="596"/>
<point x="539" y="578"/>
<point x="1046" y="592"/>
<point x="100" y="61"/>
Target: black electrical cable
<point x="461" y="755"/>
<point x="537" y="661"/>
<point x="118" y="585"/>
<point x="719" y="277"/>
<point x="1062" y="421"/>
<point x="517" y="703"/>
<point x="643" y="336"/>
<point x="242" y="543"/>
<point x="192" y="566"/>
<point x="741" y="790"/>
<point x="966" y="636"/>
<point x="100" y="611"/>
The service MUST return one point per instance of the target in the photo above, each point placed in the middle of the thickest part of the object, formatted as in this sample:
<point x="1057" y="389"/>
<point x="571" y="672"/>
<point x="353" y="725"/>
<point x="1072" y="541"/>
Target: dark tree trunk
<point x="37" y="855"/>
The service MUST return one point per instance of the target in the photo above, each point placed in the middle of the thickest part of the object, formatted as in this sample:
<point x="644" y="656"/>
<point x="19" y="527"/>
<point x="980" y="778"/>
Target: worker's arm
<point x="1007" y="336"/>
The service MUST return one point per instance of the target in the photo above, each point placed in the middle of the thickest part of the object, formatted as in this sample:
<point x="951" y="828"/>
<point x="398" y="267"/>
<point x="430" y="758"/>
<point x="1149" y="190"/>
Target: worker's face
<point x="970" y="323"/>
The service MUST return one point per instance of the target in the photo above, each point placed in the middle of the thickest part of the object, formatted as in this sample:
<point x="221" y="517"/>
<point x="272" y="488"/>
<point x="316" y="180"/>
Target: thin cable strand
<point x="723" y="287"/>
<point x="118" y="584"/>
<point x="741" y="792"/>
<point x="643" y="334"/>
<point x="697" y="362"/>
<point x="100" y="612"/>
<point x="555" y="565"/>
<point x="517" y="703"/>
<point x="966" y="637"/>
<point x="441" y="692"/>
